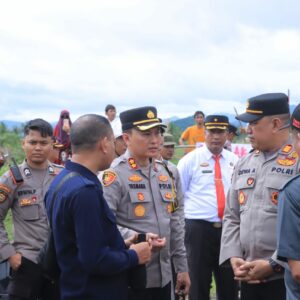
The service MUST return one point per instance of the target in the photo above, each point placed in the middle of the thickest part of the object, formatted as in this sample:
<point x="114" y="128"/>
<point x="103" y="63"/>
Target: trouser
<point x="274" y="290"/>
<point x="202" y="241"/>
<point x="163" y="293"/>
<point x="28" y="283"/>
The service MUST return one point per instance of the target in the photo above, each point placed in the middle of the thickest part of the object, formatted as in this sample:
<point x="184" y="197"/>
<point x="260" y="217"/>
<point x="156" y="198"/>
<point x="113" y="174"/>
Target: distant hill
<point x="11" y="124"/>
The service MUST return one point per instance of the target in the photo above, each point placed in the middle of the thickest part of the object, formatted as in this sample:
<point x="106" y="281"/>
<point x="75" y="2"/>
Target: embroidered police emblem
<point x="250" y="181"/>
<point x="132" y="163"/>
<point x="168" y="196"/>
<point x="139" y="210"/>
<point x="108" y="177"/>
<point x="242" y="198"/>
<point x="135" y="178"/>
<point x="140" y="196"/>
<point x="163" y="178"/>
<point x="274" y="197"/>
<point x="27" y="172"/>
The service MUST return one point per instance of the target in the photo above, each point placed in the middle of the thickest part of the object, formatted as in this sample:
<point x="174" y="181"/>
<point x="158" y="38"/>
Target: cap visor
<point x="216" y="127"/>
<point x="246" y="117"/>
<point x="169" y="144"/>
<point x="58" y="146"/>
<point x="149" y="126"/>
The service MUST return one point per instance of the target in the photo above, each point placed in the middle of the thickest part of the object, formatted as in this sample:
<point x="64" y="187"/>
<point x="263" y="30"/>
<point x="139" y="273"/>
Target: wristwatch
<point x="275" y="266"/>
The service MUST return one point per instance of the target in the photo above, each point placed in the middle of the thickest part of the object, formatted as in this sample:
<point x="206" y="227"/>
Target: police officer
<point x="25" y="199"/>
<point x="288" y="248"/>
<point x="139" y="191"/>
<point x="249" y="230"/>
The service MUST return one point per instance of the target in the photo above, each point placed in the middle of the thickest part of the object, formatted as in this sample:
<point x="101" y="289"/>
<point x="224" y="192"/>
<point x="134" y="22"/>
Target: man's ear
<point x="23" y="143"/>
<point x="126" y="138"/>
<point x="103" y="144"/>
<point x="277" y="124"/>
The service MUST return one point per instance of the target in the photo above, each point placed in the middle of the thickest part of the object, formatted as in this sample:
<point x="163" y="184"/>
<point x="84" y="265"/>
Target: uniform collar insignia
<point x="132" y="163"/>
<point x="27" y="172"/>
<point x="286" y="149"/>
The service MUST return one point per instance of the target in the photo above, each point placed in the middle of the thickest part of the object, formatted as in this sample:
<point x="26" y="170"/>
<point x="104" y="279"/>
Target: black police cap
<point x="265" y="105"/>
<point x="216" y="122"/>
<point x="233" y="129"/>
<point x="295" y="119"/>
<point x="143" y="118"/>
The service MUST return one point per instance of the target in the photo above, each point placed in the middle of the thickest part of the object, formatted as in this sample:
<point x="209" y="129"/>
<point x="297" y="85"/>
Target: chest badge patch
<point x="205" y="164"/>
<point x="242" y="198"/>
<point x="27" y="201"/>
<point x="27" y="172"/>
<point x="135" y="178"/>
<point x="286" y="161"/>
<point x="168" y="196"/>
<point x="139" y="210"/>
<point x="274" y="197"/>
<point x="250" y="181"/>
<point x="163" y="178"/>
<point x="132" y="163"/>
<point x="140" y="196"/>
<point x="108" y="177"/>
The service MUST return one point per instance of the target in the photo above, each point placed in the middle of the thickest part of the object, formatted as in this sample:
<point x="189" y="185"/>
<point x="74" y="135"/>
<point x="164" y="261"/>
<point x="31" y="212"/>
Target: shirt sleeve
<point x="178" y="252"/>
<point x="7" y="189"/>
<point x="230" y="241"/>
<point x="288" y="226"/>
<point x="185" y="134"/>
<point x="93" y="233"/>
<point x="183" y="169"/>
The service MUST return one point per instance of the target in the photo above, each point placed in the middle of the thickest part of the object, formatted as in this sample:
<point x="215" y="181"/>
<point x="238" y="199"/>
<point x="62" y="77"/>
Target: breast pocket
<point x="30" y="212"/>
<point x="140" y="204"/>
<point x="244" y="187"/>
<point x="273" y="184"/>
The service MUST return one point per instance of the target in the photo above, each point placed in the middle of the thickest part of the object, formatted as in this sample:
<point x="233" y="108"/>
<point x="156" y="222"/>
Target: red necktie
<point x="219" y="187"/>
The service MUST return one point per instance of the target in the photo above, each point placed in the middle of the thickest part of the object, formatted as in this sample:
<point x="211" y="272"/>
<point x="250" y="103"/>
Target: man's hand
<point x="183" y="283"/>
<point x="143" y="251"/>
<point x="15" y="261"/>
<point x="155" y="241"/>
<point x="258" y="269"/>
<point x="131" y="240"/>
<point x="236" y="263"/>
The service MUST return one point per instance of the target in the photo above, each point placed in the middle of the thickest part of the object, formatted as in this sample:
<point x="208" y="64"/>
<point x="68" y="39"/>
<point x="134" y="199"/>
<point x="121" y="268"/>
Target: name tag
<point x="207" y="171"/>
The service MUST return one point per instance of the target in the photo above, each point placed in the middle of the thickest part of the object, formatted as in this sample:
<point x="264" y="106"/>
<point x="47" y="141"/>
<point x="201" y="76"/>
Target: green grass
<point x="8" y="225"/>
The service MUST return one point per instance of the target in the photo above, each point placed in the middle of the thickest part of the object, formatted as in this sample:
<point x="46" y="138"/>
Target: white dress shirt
<point x="197" y="172"/>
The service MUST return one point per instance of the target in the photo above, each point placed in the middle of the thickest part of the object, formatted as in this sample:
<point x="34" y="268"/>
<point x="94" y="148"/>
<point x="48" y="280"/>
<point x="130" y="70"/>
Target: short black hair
<point x="40" y="125"/>
<point x="109" y="106"/>
<point x="199" y="112"/>
<point x="87" y="130"/>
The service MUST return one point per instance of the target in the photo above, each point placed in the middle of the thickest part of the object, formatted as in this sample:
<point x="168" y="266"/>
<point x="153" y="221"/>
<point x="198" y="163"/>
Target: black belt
<point x="216" y="225"/>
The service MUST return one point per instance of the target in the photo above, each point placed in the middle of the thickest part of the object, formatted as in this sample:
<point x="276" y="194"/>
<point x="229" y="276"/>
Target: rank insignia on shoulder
<point x="132" y="163"/>
<point x="27" y="172"/>
<point x="108" y="177"/>
<point x="140" y="196"/>
<point x="163" y="178"/>
<point x="250" y="181"/>
<point x="139" y="210"/>
<point x="274" y="197"/>
<point x="4" y="191"/>
<point x="205" y="164"/>
<point x="242" y="198"/>
<point x="135" y="178"/>
<point x="287" y="149"/>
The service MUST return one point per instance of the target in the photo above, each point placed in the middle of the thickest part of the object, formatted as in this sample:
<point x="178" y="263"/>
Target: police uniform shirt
<point x="197" y="172"/>
<point x="288" y="232"/>
<point x="29" y="217"/>
<point x="249" y="225"/>
<point x="143" y="201"/>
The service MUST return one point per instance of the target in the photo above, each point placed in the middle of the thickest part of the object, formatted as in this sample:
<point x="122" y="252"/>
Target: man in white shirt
<point x="206" y="176"/>
<point x="114" y="120"/>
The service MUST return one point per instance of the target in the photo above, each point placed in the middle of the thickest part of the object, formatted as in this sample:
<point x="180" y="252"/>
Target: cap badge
<point x="108" y="177"/>
<point x="140" y="196"/>
<point x="150" y="114"/>
<point x="163" y="178"/>
<point x="247" y="104"/>
<point x="274" y="197"/>
<point x="132" y="163"/>
<point x="242" y="198"/>
<point x="215" y="120"/>
<point x="139" y="210"/>
<point x="135" y="178"/>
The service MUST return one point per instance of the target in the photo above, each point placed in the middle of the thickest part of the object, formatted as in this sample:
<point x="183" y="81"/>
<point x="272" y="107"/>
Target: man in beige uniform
<point x="139" y="191"/>
<point x="249" y="225"/>
<point x="25" y="199"/>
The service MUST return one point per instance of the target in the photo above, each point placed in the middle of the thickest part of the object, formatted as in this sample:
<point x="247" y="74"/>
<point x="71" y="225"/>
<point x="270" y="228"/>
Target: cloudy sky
<point x="180" y="56"/>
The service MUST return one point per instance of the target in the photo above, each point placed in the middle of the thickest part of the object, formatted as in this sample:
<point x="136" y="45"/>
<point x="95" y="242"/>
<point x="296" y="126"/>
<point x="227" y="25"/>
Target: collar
<point x="85" y="172"/>
<point x="208" y="155"/>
